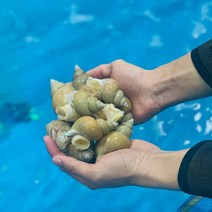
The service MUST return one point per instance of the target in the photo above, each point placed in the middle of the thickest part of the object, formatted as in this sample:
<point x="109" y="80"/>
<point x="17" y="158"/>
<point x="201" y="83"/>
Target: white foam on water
<point x="156" y="41"/>
<point x="205" y="11"/>
<point x="76" y="17"/>
<point x="150" y="15"/>
<point x="199" y="29"/>
<point x="160" y="128"/>
<point x="208" y="127"/>
<point x="199" y="128"/>
<point x="186" y="142"/>
<point x="37" y="181"/>
<point x="141" y="128"/>
<point x="185" y="106"/>
<point x="197" y="116"/>
<point x="31" y="39"/>
<point x="171" y="121"/>
<point x="197" y="106"/>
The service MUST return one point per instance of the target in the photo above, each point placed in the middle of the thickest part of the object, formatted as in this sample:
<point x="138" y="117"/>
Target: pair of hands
<point x="133" y="166"/>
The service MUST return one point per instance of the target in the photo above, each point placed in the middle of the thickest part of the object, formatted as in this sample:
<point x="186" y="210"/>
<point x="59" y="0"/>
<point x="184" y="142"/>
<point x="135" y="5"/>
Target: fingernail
<point x="57" y="161"/>
<point x="45" y="137"/>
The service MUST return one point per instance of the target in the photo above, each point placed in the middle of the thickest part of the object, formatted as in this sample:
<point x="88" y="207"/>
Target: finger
<point x="51" y="146"/>
<point x="101" y="72"/>
<point x="82" y="180"/>
<point x="74" y="167"/>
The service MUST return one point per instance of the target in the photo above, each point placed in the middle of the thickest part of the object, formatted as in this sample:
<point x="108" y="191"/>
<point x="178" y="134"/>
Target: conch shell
<point x="105" y="89"/>
<point x="113" y="141"/>
<point x="94" y="117"/>
<point x="69" y="104"/>
<point x="57" y="129"/>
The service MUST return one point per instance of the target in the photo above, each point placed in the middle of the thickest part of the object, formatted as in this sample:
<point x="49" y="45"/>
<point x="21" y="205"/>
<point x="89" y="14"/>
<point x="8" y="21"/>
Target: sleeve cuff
<point x="202" y="60"/>
<point x="195" y="173"/>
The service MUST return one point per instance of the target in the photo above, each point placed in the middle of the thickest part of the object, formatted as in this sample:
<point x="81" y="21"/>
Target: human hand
<point x="155" y="90"/>
<point x="135" y="83"/>
<point x="143" y="164"/>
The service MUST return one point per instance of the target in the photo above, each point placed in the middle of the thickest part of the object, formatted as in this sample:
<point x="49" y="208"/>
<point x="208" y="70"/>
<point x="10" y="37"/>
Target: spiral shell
<point x="105" y="89"/>
<point x="94" y="117"/>
<point x="111" y="142"/>
<point x="87" y="129"/>
<point x="61" y="93"/>
<point x="57" y="130"/>
<point x="80" y="78"/>
<point x="76" y="103"/>
<point x="86" y="155"/>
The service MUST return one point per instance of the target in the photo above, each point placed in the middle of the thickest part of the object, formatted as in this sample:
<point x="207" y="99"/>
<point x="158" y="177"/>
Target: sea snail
<point x="94" y="117"/>
<point x="69" y="104"/>
<point x="106" y="90"/>
<point x="57" y="129"/>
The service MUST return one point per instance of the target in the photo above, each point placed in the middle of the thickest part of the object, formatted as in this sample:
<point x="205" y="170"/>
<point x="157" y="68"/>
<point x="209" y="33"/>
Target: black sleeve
<point x="195" y="173"/>
<point x="202" y="60"/>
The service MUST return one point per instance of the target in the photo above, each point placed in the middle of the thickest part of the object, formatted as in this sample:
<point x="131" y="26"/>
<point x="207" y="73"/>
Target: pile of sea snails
<point x="94" y="117"/>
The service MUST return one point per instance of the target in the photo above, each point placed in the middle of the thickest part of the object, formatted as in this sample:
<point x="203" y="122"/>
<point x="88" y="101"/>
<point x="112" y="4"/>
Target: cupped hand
<point x="135" y="83"/>
<point x="118" y="168"/>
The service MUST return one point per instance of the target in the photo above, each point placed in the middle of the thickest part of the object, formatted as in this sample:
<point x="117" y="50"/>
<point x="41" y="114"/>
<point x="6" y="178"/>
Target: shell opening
<point x="80" y="142"/>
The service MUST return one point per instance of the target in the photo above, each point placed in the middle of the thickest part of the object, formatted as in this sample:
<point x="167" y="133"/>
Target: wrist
<point x="178" y="81"/>
<point x="160" y="170"/>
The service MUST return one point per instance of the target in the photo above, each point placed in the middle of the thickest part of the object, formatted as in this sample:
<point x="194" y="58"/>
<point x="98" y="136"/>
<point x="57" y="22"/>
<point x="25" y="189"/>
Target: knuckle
<point x="118" y="61"/>
<point x="102" y="67"/>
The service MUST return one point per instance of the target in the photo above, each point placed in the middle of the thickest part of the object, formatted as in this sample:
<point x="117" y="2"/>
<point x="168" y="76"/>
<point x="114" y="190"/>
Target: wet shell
<point x="86" y="155"/>
<point x="85" y="104"/>
<point x="80" y="77"/>
<point x="61" y="93"/>
<point x="111" y="142"/>
<point x="99" y="112"/>
<point x="88" y="127"/>
<point x="57" y="130"/>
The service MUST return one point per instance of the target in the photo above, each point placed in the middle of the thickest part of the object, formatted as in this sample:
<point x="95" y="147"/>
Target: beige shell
<point x="80" y="77"/>
<point x="126" y="125"/>
<point x="110" y="113"/>
<point x="100" y="116"/>
<point x="57" y="130"/>
<point x="67" y="112"/>
<point x="85" y="104"/>
<point x="86" y="155"/>
<point x="105" y="89"/>
<point x="61" y="93"/>
<point x="87" y="129"/>
<point x="111" y="142"/>
<point x="70" y="104"/>
<point x="84" y="130"/>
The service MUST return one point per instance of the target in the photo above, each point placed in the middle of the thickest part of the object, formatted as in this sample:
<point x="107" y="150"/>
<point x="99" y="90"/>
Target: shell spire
<point x="80" y="77"/>
<point x="55" y="85"/>
<point x="77" y="71"/>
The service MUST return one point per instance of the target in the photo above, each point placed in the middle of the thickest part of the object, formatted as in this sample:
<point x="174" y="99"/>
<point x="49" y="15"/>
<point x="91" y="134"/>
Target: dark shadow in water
<point x="12" y="114"/>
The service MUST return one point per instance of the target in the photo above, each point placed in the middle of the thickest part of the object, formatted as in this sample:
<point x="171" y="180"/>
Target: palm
<point x="111" y="170"/>
<point x="119" y="167"/>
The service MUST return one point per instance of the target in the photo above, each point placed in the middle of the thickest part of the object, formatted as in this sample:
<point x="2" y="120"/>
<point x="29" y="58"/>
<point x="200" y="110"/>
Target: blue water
<point x="41" y="40"/>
